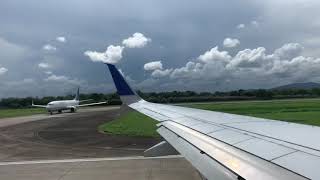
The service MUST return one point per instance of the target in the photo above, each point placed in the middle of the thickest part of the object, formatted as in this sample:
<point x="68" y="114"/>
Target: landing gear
<point x="50" y="112"/>
<point x="59" y="111"/>
<point x="72" y="110"/>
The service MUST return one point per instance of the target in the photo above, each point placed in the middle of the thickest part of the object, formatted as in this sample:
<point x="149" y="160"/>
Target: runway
<point x="66" y="136"/>
<point x="68" y="146"/>
<point x="168" y="168"/>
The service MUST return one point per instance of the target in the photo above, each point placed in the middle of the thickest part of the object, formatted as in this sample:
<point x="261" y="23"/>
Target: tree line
<point x="173" y="96"/>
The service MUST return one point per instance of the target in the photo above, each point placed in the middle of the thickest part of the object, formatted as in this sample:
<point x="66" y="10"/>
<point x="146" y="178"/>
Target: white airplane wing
<point x="225" y="146"/>
<point x="91" y="104"/>
<point x="86" y="100"/>
<point x="42" y="106"/>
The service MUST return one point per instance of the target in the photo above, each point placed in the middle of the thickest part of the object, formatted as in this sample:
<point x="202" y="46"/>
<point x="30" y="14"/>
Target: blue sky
<point x="51" y="47"/>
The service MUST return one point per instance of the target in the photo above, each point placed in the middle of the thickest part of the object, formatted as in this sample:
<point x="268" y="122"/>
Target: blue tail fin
<point x="77" y="95"/>
<point x="125" y="92"/>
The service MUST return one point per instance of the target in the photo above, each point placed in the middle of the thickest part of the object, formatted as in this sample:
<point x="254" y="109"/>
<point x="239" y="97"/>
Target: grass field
<point x="306" y="111"/>
<point x="131" y="124"/>
<point x="5" y="113"/>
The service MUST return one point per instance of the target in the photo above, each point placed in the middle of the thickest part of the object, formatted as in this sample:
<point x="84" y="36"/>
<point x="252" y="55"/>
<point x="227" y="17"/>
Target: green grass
<point x="5" y="113"/>
<point x="131" y="124"/>
<point x="306" y="111"/>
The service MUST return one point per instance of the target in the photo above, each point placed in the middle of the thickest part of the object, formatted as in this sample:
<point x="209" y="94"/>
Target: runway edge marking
<point x="86" y="160"/>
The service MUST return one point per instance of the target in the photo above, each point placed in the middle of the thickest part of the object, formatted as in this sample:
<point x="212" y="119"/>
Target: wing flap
<point x="264" y="149"/>
<point x="206" y="165"/>
<point x="232" y="159"/>
<point x="302" y="135"/>
<point x="296" y="136"/>
<point x="152" y="114"/>
<point x="230" y="136"/>
<point x="186" y="121"/>
<point x="91" y="104"/>
<point x="302" y="163"/>
<point x="207" y="128"/>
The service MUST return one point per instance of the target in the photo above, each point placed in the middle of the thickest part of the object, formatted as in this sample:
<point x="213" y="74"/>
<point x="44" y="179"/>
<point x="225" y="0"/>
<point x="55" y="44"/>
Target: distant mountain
<point x="307" y="85"/>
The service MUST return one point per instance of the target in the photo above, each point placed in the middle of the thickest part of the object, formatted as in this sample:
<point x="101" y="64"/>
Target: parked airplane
<point x="230" y="147"/>
<point x="71" y="105"/>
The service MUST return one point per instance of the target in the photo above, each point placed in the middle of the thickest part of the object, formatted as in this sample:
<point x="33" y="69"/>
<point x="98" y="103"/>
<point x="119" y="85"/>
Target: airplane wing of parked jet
<point x="86" y="100"/>
<point x="226" y="146"/>
<point x="35" y="105"/>
<point x="91" y="104"/>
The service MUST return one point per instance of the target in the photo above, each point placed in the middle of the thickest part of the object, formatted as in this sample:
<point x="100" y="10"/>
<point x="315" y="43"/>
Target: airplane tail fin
<point x="127" y="95"/>
<point x="77" y="95"/>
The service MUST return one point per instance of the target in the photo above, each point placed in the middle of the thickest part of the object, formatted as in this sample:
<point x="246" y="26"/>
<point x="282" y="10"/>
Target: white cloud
<point x="112" y="55"/>
<point x="137" y="40"/>
<point x="230" y="43"/>
<point x="248" y="58"/>
<point x="56" y="78"/>
<point x="3" y="70"/>
<point x="158" y="73"/>
<point x="214" y="55"/>
<point x="189" y="71"/>
<point x="49" y="47"/>
<point x="249" y="68"/>
<point x="241" y="26"/>
<point x="151" y="66"/>
<point x="157" y="68"/>
<point x="254" y="23"/>
<point x="63" y="79"/>
<point x="48" y="72"/>
<point x="298" y="69"/>
<point x="61" y="39"/>
<point x="289" y="51"/>
<point x="43" y="65"/>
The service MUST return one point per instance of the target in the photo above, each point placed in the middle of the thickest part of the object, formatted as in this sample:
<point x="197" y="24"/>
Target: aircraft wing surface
<point x="42" y="106"/>
<point x="91" y="104"/>
<point x="35" y="105"/>
<point x="227" y="146"/>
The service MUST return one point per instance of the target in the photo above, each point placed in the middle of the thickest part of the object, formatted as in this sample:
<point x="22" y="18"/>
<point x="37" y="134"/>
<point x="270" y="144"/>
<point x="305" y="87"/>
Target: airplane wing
<point x="225" y="146"/>
<point x="91" y="104"/>
<point x="34" y="105"/>
<point x="86" y="100"/>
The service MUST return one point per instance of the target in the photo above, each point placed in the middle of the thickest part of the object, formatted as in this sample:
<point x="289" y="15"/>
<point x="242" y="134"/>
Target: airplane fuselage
<point x="71" y="105"/>
<point x="62" y="105"/>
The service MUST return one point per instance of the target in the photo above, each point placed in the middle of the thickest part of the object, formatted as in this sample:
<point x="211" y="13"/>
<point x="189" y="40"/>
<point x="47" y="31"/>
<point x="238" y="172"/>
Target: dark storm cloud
<point x="180" y="32"/>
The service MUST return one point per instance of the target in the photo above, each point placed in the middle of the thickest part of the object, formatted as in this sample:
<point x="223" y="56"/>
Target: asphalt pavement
<point x="69" y="146"/>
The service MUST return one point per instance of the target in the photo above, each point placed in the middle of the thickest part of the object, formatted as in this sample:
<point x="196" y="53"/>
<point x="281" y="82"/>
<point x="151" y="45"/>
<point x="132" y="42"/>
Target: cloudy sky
<point x="52" y="47"/>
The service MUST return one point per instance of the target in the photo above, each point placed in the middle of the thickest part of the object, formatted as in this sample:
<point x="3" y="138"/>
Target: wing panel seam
<point x="179" y="136"/>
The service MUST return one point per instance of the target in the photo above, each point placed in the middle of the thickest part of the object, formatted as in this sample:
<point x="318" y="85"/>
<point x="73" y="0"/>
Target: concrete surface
<point x="69" y="147"/>
<point x="111" y="169"/>
<point x="67" y="136"/>
<point x="24" y="119"/>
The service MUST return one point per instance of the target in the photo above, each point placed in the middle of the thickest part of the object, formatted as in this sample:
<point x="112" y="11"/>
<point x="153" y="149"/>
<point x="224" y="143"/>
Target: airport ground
<point x="69" y="146"/>
<point x="305" y="111"/>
